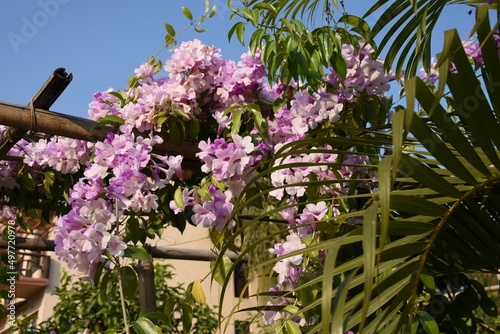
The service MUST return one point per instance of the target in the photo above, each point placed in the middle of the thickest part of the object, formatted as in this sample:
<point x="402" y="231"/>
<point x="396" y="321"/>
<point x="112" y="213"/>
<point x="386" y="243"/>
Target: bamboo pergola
<point x="36" y="118"/>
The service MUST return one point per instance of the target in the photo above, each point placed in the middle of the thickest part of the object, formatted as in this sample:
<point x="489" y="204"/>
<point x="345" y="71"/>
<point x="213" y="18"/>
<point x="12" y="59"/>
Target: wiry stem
<point x="122" y="298"/>
<point x="120" y="283"/>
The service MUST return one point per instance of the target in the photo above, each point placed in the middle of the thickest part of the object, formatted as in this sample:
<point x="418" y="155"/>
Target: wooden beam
<point x="156" y="252"/>
<point x="46" y="96"/>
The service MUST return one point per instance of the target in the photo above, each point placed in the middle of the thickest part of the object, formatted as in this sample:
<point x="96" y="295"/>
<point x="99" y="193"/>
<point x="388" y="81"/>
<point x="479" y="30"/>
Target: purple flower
<point x="214" y="213"/>
<point x="188" y="200"/>
<point x="288" y="269"/>
<point x="307" y="221"/>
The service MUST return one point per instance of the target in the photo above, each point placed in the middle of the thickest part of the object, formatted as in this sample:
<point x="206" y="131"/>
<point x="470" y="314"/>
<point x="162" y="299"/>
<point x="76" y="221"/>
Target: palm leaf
<point x="437" y="211"/>
<point x="407" y="28"/>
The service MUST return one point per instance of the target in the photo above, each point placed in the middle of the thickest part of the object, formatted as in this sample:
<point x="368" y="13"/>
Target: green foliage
<point x="406" y="28"/>
<point x="434" y="215"/>
<point x="195" y="22"/>
<point x="83" y="306"/>
<point x="291" y="51"/>
<point x="431" y="214"/>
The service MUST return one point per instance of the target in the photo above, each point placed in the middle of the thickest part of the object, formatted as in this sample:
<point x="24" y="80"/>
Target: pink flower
<point x="214" y="213"/>
<point x="175" y="164"/>
<point x="145" y="71"/>
<point x="188" y="199"/>
<point x="287" y="268"/>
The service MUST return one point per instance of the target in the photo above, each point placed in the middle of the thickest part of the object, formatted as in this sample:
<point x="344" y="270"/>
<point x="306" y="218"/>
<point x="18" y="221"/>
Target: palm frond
<point x="436" y="211"/>
<point x="407" y="28"/>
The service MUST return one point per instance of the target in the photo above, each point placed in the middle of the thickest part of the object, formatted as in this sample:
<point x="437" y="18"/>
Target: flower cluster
<point x="288" y="269"/>
<point x="114" y="184"/>
<point x="10" y="169"/>
<point x="364" y="74"/>
<point x="65" y="155"/>
<point x="122" y="175"/>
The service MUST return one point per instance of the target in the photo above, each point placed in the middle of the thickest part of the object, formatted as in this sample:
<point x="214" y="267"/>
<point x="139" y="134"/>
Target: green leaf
<point x="260" y="122"/>
<point x="138" y="253"/>
<point x="361" y="27"/>
<point x="193" y="128"/>
<point x="197" y="292"/>
<point x="237" y="28"/>
<point x="212" y="12"/>
<point x="133" y="229"/>
<point x="110" y="119"/>
<point x="479" y="288"/>
<point x="130" y="282"/>
<point x="326" y="298"/>
<point x="428" y="322"/>
<point x="240" y="33"/>
<point x="144" y="326"/>
<point x="455" y="136"/>
<point x="155" y="315"/>
<point x="220" y="272"/>
<point x="187" y="317"/>
<point x="427" y="176"/>
<point x="98" y="273"/>
<point x="439" y="149"/>
<point x="28" y="181"/>
<point x="133" y="81"/>
<point x="416" y="206"/>
<point x="370" y="220"/>
<point x="179" y="198"/>
<point x="292" y="327"/>
<point x="48" y="181"/>
<point x="187" y="13"/>
<point x="428" y="279"/>
<point x="384" y="170"/>
<point x="174" y="133"/>
<point x="169" y="305"/>
<point x="236" y="121"/>
<point x="256" y="40"/>
<point x="266" y="6"/>
<point x="170" y="29"/>
<point x="203" y="193"/>
<point x="338" y="64"/>
<point x="337" y="326"/>
<point x="103" y="288"/>
<point x="489" y="306"/>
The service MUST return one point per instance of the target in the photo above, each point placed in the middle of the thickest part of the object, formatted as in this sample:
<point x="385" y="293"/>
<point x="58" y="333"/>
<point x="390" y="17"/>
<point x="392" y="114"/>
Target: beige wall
<point x="185" y="272"/>
<point x="188" y="271"/>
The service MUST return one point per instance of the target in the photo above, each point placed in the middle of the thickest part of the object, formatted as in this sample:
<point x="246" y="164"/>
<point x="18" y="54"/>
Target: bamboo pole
<point x="156" y="252"/>
<point x="58" y="124"/>
<point x="147" y="291"/>
<point x="50" y="122"/>
<point x="46" y="96"/>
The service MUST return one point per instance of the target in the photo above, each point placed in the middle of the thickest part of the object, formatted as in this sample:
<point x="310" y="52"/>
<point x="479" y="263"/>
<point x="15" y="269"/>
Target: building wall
<point x="186" y="271"/>
<point x="189" y="271"/>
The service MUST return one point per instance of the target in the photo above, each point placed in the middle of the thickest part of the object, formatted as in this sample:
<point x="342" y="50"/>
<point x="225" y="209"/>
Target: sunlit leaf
<point x="144" y="326"/>
<point x="197" y="292"/>
<point x="187" y="13"/>
<point x="138" y="253"/>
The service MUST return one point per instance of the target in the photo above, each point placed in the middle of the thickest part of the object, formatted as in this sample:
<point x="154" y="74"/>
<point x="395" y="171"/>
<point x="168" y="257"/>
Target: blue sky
<point x="102" y="42"/>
